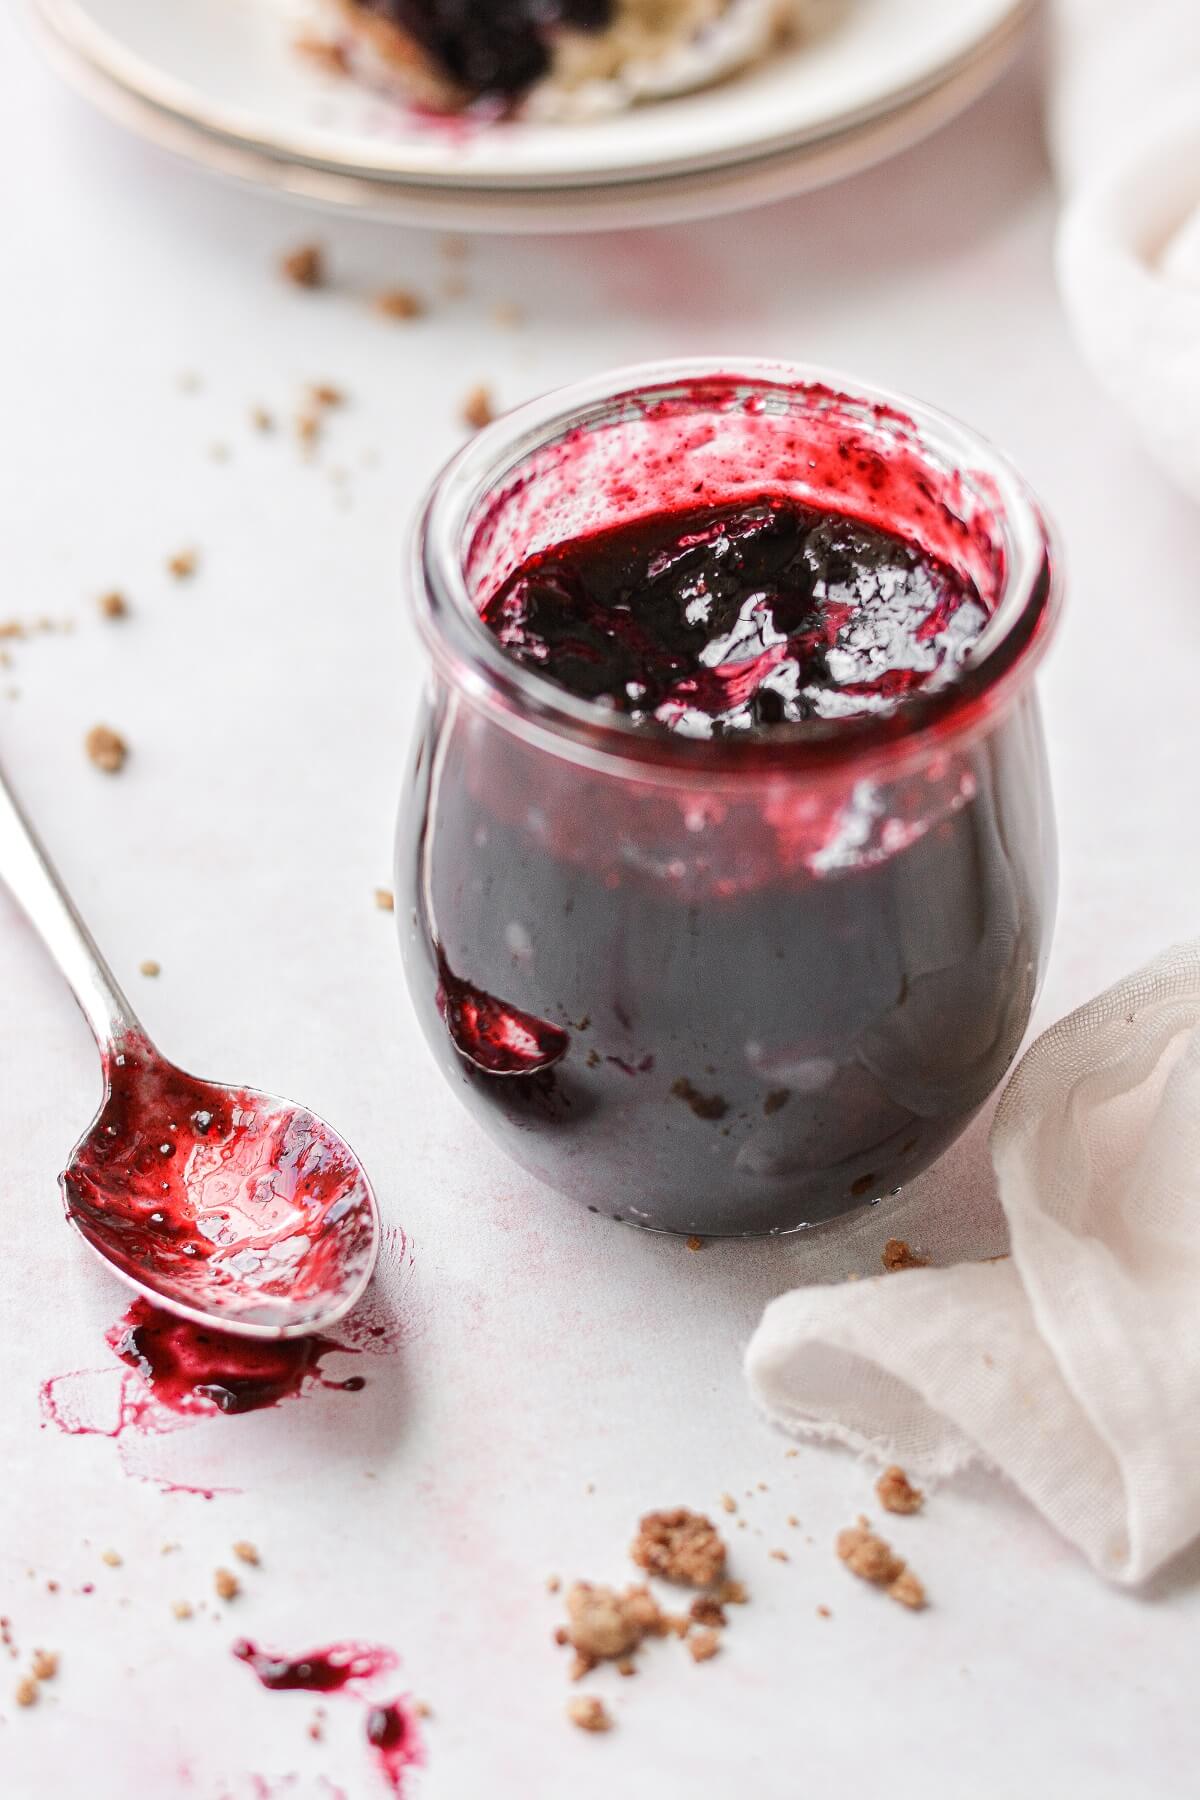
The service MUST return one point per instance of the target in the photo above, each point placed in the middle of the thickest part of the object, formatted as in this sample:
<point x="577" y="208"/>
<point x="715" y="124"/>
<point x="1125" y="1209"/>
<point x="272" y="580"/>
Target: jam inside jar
<point x="726" y="867"/>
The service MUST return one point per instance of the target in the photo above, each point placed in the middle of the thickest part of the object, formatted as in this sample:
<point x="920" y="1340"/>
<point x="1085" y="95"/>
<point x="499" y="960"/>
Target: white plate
<point x="230" y="67"/>
<point x="600" y="207"/>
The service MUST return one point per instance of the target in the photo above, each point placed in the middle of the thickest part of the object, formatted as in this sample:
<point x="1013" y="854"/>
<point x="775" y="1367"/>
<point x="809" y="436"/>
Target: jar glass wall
<point x="714" y="987"/>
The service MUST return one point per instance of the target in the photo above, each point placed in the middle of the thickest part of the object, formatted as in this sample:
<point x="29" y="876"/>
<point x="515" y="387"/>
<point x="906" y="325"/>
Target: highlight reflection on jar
<point x="726" y="867"/>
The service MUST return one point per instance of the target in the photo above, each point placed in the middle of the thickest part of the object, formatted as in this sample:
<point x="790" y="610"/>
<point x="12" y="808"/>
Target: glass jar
<point x="711" y="986"/>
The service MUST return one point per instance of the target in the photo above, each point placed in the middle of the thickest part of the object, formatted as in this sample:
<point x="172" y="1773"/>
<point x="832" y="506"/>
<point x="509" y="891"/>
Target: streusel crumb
<point x="897" y="1493"/>
<point x="150" y="968"/>
<point x="706" y="1609"/>
<point x="868" y="1556"/>
<point x="26" y="1691"/>
<point x="183" y="564"/>
<point x="106" y="748"/>
<point x="385" y="900"/>
<point x="226" y="1584"/>
<point x="113" y="605"/>
<point x="589" y="1713"/>
<point x="908" y="1591"/>
<point x="602" y="1623"/>
<point x="181" y="1609"/>
<point x="899" y="1255"/>
<point x="111" y="1557"/>
<point x="732" y="1593"/>
<point x="44" y="1665"/>
<point x="477" y="409"/>
<point x="247" y="1553"/>
<point x="695" y="1243"/>
<point x="704" y="1645"/>
<point x="399" y="303"/>
<point x="304" y="267"/>
<point x="680" y="1546"/>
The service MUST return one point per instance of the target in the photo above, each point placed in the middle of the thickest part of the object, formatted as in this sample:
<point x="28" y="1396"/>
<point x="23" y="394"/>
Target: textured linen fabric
<point x="1074" y="1364"/>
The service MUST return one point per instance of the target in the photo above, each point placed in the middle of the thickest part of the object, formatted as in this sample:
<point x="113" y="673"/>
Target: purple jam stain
<point x="391" y="1728"/>
<point x="191" y="1368"/>
<point x="490" y="46"/>
<point x="498" y="1038"/>
<point x="392" y="1735"/>
<point x="727" y="620"/>
<point x="329" y="1670"/>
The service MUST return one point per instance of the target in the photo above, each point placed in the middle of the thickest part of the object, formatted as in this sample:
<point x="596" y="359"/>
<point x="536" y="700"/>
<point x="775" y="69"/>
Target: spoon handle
<point x="35" y="884"/>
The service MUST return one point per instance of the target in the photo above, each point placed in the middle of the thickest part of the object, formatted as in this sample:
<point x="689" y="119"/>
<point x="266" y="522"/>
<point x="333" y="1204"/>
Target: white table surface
<point x="559" y="1375"/>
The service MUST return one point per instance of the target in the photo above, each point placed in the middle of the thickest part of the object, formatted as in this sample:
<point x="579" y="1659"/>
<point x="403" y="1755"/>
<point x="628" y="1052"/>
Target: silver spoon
<point x="227" y="1206"/>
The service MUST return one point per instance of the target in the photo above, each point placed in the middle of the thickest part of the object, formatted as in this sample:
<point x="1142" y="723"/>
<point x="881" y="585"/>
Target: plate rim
<point x="68" y="22"/>
<point x="674" y="199"/>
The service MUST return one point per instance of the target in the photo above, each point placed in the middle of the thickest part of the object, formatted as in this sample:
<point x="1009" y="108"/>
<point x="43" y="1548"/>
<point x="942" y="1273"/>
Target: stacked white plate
<point x="223" y="83"/>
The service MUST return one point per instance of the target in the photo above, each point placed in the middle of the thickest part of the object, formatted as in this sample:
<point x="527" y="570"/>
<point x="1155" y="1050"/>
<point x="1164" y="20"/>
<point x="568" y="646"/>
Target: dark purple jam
<point x="490" y="46"/>
<point x="743" y="1001"/>
<point x="731" y="619"/>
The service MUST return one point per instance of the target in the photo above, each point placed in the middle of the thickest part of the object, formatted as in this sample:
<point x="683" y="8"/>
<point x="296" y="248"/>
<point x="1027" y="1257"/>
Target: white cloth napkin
<point x="1125" y="132"/>
<point x="1074" y="1365"/>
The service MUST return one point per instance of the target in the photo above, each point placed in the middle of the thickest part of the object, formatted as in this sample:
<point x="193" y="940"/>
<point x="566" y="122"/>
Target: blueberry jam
<point x="734" y="619"/>
<point x="490" y="46"/>
<point x="740" y="984"/>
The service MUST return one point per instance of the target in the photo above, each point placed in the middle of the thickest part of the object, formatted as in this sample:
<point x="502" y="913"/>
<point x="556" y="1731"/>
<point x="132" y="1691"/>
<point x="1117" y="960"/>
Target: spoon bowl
<point x="229" y="1206"/>
<point x="226" y="1206"/>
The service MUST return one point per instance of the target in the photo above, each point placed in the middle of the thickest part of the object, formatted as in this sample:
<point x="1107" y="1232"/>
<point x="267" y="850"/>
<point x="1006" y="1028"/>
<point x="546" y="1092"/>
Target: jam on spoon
<point x="224" y="1205"/>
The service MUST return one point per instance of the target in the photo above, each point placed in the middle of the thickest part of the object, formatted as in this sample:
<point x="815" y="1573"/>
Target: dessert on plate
<point x="560" y="58"/>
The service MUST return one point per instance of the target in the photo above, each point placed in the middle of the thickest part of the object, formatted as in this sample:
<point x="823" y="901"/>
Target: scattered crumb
<point x="507" y="315"/>
<point x="792" y="1452"/>
<point x="324" y="53"/>
<point x="398" y="303"/>
<point x="226" y="1584"/>
<point x="323" y="393"/>
<point x="896" y="1492"/>
<point x="602" y="1624"/>
<point x="899" y="1255"/>
<point x="247" y="1553"/>
<point x="626" y="1666"/>
<point x="775" y="1100"/>
<point x="704" y="1645"/>
<point x="113" y="605"/>
<point x="706" y="1609"/>
<point x="26" y="1691"/>
<point x="867" y="1555"/>
<point x="477" y="410"/>
<point x="728" y="1503"/>
<point x="589" y="1713"/>
<point x="553" y="1584"/>
<point x="792" y="1519"/>
<point x="695" y="1243"/>
<point x="422" y="1709"/>
<point x="680" y="1546"/>
<point x="44" y="1665"/>
<point x="908" y="1591"/>
<point x="261" y="419"/>
<point x="823" y="1612"/>
<point x="560" y="1635"/>
<point x="762" y="1487"/>
<point x="732" y="1593"/>
<point x="304" y="267"/>
<point x="182" y="1609"/>
<point x="108" y="750"/>
<point x="385" y="900"/>
<point x="308" y="429"/>
<point x="150" y="968"/>
<point x="111" y="1557"/>
<point x="705" y="1106"/>
<point x="183" y="564"/>
<point x="166" y="1549"/>
<point x="779" y="1555"/>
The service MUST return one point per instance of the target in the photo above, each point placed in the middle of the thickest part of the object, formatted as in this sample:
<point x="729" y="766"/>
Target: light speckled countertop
<point x="557" y="1375"/>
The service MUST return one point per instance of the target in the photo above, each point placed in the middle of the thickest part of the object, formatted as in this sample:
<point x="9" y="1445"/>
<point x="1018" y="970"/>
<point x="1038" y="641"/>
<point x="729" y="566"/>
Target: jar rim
<point x="996" y="668"/>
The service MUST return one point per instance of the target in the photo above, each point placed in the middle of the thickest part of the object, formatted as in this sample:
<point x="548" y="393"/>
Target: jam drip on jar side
<point x="723" y="621"/>
<point x="490" y="46"/>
